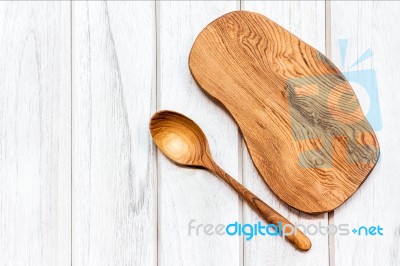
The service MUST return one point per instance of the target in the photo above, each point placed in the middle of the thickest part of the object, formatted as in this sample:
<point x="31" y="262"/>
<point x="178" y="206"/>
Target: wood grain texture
<point x="114" y="180"/>
<point x="184" y="143"/>
<point x="35" y="139"/>
<point x="305" y="19"/>
<point x="186" y="194"/>
<point x="371" y="25"/>
<point x="300" y="119"/>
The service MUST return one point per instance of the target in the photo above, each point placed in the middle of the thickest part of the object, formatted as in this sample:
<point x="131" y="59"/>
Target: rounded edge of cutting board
<point x="218" y="101"/>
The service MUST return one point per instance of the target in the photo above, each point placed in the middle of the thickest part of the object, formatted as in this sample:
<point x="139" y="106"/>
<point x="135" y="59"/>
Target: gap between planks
<point x="328" y="53"/>
<point x="156" y="106"/>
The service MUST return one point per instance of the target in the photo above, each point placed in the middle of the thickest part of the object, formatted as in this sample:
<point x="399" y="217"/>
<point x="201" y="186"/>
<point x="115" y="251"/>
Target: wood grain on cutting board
<point x="306" y="20"/>
<point x="299" y="117"/>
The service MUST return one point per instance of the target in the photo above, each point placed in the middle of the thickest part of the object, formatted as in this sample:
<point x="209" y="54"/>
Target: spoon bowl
<point x="179" y="138"/>
<point x="184" y="143"/>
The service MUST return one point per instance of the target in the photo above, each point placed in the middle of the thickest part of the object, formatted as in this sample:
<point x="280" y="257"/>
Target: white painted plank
<point x="114" y="180"/>
<point x="372" y="25"/>
<point x="186" y="194"/>
<point x="35" y="139"/>
<point x="305" y="19"/>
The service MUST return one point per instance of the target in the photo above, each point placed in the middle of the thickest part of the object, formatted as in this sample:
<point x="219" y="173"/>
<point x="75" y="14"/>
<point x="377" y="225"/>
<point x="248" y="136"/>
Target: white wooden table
<point x="81" y="181"/>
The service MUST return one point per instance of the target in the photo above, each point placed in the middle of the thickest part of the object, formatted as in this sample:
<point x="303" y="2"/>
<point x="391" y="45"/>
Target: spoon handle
<point x="297" y="238"/>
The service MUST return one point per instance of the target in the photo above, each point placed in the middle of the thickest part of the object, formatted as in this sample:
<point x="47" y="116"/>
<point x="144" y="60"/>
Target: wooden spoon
<point x="184" y="143"/>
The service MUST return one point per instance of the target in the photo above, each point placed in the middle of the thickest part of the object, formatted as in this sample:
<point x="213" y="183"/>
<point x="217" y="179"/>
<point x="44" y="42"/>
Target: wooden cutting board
<point x="300" y="119"/>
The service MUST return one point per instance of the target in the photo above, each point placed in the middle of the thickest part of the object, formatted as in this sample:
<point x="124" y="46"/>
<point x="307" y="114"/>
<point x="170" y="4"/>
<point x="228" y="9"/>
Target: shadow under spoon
<point x="184" y="143"/>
